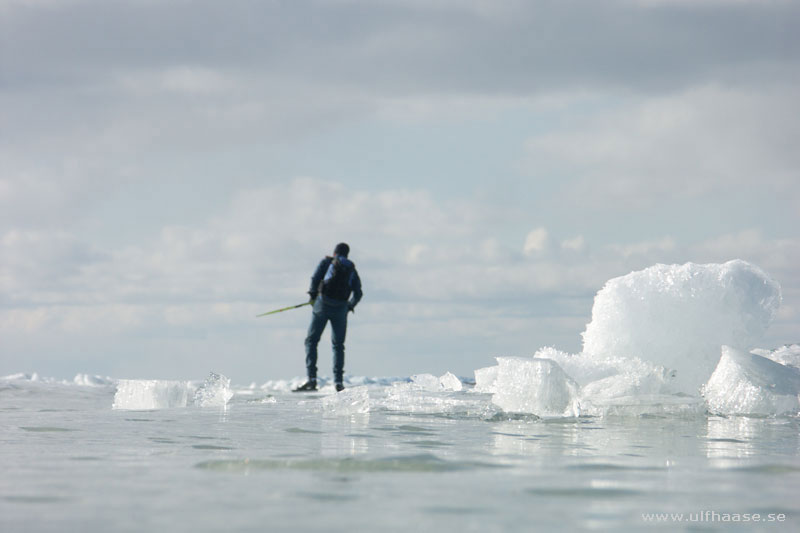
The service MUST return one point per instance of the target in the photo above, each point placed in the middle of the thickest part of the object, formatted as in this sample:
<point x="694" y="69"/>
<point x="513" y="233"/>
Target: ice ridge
<point x="145" y="394"/>
<point x="657" y="338"/>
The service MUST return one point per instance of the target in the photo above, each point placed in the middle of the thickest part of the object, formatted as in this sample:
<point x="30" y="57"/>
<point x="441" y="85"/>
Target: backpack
<point x="337" y="286"/>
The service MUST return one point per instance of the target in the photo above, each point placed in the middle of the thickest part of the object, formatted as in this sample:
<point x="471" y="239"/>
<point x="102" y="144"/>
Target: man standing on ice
<point x="331" y="286"/>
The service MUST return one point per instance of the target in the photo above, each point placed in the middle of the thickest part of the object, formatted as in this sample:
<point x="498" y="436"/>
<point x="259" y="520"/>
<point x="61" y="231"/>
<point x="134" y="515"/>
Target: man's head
<point x="341" y="249"/>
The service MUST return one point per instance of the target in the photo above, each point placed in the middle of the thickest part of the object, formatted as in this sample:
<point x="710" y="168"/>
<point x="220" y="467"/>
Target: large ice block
<point x="678" y="316"/>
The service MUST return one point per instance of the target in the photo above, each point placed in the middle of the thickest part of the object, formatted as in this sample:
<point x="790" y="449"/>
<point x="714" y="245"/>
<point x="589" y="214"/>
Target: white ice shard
<point x="427" y="382"/>
<point x="214" y="392"/>
<point x="87" y="380"/>
<point x="427" y="393"/>
<point x="584" y="369"/>
<point x="21" y="376"/>
<point x="142" y="394"/>
<point x="431" y="383"/>
<point x="749" y="384"/>
<point x="450" y="382"/>
<point x="625" y="384"/>
<point x="638" y="389"/>
<point x="485" y="379"/>
<point x="785" y="355"/>
<point x="536" y="386"/>
<point x="352" y="401"/>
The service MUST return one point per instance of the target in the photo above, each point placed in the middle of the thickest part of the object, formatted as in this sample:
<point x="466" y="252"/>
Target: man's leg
<point x="315" y="330"/>
<point x="338" y="318"/>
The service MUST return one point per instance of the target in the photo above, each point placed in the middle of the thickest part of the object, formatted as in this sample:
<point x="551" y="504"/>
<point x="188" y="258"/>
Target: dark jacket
<point x="325" y="271"/>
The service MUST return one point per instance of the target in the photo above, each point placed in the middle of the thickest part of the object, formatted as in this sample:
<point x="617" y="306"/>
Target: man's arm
<point x="355" y="285"/>
<point x="317" y="277"/>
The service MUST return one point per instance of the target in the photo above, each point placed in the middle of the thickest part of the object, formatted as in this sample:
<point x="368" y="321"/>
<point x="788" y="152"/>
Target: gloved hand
<point x="312" y="296"/>
<point x="351" y="307"/>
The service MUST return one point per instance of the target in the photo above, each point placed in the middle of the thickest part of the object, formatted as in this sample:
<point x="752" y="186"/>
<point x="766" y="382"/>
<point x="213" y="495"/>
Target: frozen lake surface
<point x="416" y="460"/>
<point x="669" y="418"/>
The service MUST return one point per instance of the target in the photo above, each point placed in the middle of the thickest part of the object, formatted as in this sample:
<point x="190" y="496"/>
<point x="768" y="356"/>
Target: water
<point x="418" y="459"/>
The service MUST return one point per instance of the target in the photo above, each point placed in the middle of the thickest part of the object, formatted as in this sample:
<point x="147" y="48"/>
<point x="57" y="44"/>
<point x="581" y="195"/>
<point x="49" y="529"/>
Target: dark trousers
<point x="336" y="313"/>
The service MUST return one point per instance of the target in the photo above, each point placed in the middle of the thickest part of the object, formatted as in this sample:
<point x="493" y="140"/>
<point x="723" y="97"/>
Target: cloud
<point x="535" y="242"/>
<point x="700" y="143"/>
<point x="777" y="256"/>
<point x="146" y="209"/>
<point x="87" y="115"/>
<point x="260" y="62"/>
<point x="667" y="244"/>
<point x="435" y="280"/>
<point x="182" y="80"/>
<point x="43" y="267"/>
<point x="396" y="48"/>
<point x="261" y="249"/>
<point x="186" y="283"/>
<point x="576" y="243"/>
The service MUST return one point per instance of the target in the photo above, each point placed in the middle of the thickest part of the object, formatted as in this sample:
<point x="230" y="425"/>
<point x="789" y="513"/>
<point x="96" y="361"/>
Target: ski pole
<point x="283" y="309"/>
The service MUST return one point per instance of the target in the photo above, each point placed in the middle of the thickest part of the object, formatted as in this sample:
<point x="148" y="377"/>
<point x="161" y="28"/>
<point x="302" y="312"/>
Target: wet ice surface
<point x="669" y="408"/>
<point x="389" y="457"/>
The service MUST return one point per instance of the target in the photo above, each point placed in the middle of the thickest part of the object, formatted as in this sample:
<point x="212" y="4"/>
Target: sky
<point x="170" y="169"/>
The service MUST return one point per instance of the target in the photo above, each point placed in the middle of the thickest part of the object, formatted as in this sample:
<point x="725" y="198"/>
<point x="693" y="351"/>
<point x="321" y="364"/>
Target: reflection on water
<point x="624" y="438"/>
<point x="344" y="435"/>
<point x="406" y="463"/>
<point x="730" y="440"/>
